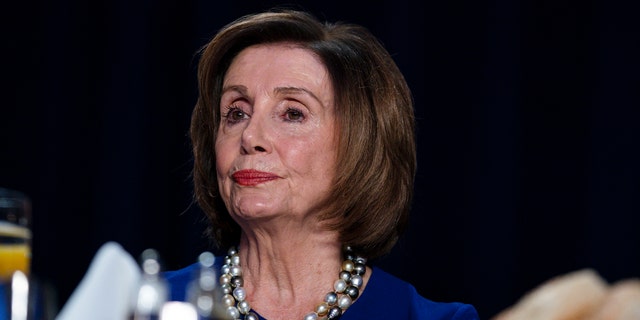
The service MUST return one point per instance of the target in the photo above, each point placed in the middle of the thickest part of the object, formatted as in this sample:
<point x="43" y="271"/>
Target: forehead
<point x="278" y="62"/>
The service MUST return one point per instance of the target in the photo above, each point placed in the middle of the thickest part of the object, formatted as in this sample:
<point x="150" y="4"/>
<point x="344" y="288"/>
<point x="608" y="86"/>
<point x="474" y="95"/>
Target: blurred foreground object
<point x="578" y="295"/>
<point x="204" y="292"/>
<point x="15" y="233"/>
<point x="107" y="289"/>
<point x="116" y="287"/>
<point x="24" y="297"/>
<point x="153" y="291"/>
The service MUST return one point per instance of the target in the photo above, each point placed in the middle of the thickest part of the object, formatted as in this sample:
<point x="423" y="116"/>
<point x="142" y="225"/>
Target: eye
<point x="293" y="114"/>
<point x="234" y="114"/>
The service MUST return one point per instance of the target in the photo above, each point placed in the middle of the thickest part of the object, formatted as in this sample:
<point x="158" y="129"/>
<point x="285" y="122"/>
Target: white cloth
<point x="107" y="289"/>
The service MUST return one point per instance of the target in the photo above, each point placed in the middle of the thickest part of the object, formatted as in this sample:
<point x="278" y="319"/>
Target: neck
<point x="293" y="282"/>
<point x="288" y="277"/>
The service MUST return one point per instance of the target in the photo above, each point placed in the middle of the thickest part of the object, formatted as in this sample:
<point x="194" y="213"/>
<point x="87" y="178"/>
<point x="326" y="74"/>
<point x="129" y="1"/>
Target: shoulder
<point x="389" y="297"/>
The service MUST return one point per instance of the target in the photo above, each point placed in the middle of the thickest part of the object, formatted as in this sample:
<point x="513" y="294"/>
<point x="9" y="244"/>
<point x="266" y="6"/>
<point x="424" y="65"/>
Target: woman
<point x="303" y="138"/>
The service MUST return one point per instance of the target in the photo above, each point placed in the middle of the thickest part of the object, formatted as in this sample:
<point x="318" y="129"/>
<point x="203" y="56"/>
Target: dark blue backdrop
<point x="527" y="127"/>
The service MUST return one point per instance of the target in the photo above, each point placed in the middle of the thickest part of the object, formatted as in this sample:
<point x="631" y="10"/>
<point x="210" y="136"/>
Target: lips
<point x="252" y="177"/>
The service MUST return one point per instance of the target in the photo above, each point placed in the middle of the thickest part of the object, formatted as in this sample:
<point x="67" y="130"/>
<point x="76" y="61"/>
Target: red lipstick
<point x="252" y="177"/>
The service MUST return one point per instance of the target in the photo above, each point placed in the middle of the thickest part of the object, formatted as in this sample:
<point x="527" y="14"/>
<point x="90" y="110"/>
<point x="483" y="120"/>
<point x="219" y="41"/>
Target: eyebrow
<point x="297" y="90"/>
<point x="238" y="88"/>
<point x="278" y="90"/>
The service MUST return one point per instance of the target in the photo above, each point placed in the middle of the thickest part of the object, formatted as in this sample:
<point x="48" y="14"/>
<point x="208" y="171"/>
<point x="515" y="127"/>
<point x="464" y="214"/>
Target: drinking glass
<point x="15" y="254"/>
<point x="15" y="233"/>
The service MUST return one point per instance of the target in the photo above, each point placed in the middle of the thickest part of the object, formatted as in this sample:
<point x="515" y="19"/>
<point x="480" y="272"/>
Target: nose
<point x="255" y="138"/>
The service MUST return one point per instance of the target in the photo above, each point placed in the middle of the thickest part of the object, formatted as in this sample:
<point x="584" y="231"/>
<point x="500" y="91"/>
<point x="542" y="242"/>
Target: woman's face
<point x="275" y="148"/>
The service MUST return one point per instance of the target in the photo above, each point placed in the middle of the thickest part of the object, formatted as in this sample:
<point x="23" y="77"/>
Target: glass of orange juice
<point x="15" y="233"/>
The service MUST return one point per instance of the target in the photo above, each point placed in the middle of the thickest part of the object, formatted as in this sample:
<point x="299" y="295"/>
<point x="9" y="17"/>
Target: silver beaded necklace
<point x="345" y="290"/>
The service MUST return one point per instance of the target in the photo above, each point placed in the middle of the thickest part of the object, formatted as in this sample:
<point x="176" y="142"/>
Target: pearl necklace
<point x="345" y="290"/>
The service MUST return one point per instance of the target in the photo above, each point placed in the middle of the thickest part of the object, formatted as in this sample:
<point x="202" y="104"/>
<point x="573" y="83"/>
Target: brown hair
<point x="371" y="198"/>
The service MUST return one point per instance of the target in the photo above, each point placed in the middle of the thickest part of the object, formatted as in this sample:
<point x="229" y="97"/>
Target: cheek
<point x="223" y="159"/>
<point x="223" y="166"/>
<point x="314" y="157"/>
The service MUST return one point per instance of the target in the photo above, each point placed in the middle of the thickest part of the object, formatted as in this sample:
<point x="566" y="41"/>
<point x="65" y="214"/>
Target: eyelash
<point x="229" y="113"/>
<point x="295" y="111"/>
<point x="230" y="110"/>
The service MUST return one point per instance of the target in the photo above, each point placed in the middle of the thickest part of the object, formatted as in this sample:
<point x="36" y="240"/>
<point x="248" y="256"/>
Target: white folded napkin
<point x="107" y="289"/>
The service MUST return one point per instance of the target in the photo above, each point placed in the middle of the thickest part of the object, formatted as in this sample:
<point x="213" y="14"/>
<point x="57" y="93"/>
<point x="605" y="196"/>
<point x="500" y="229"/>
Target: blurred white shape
<point x="107" y="289"/>
<point x="176" y="310"/>
<point x="19" y="296"/>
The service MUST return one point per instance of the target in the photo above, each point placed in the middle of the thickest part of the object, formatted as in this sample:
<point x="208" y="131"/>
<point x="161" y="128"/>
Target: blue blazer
<point x="386" y="297"/>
